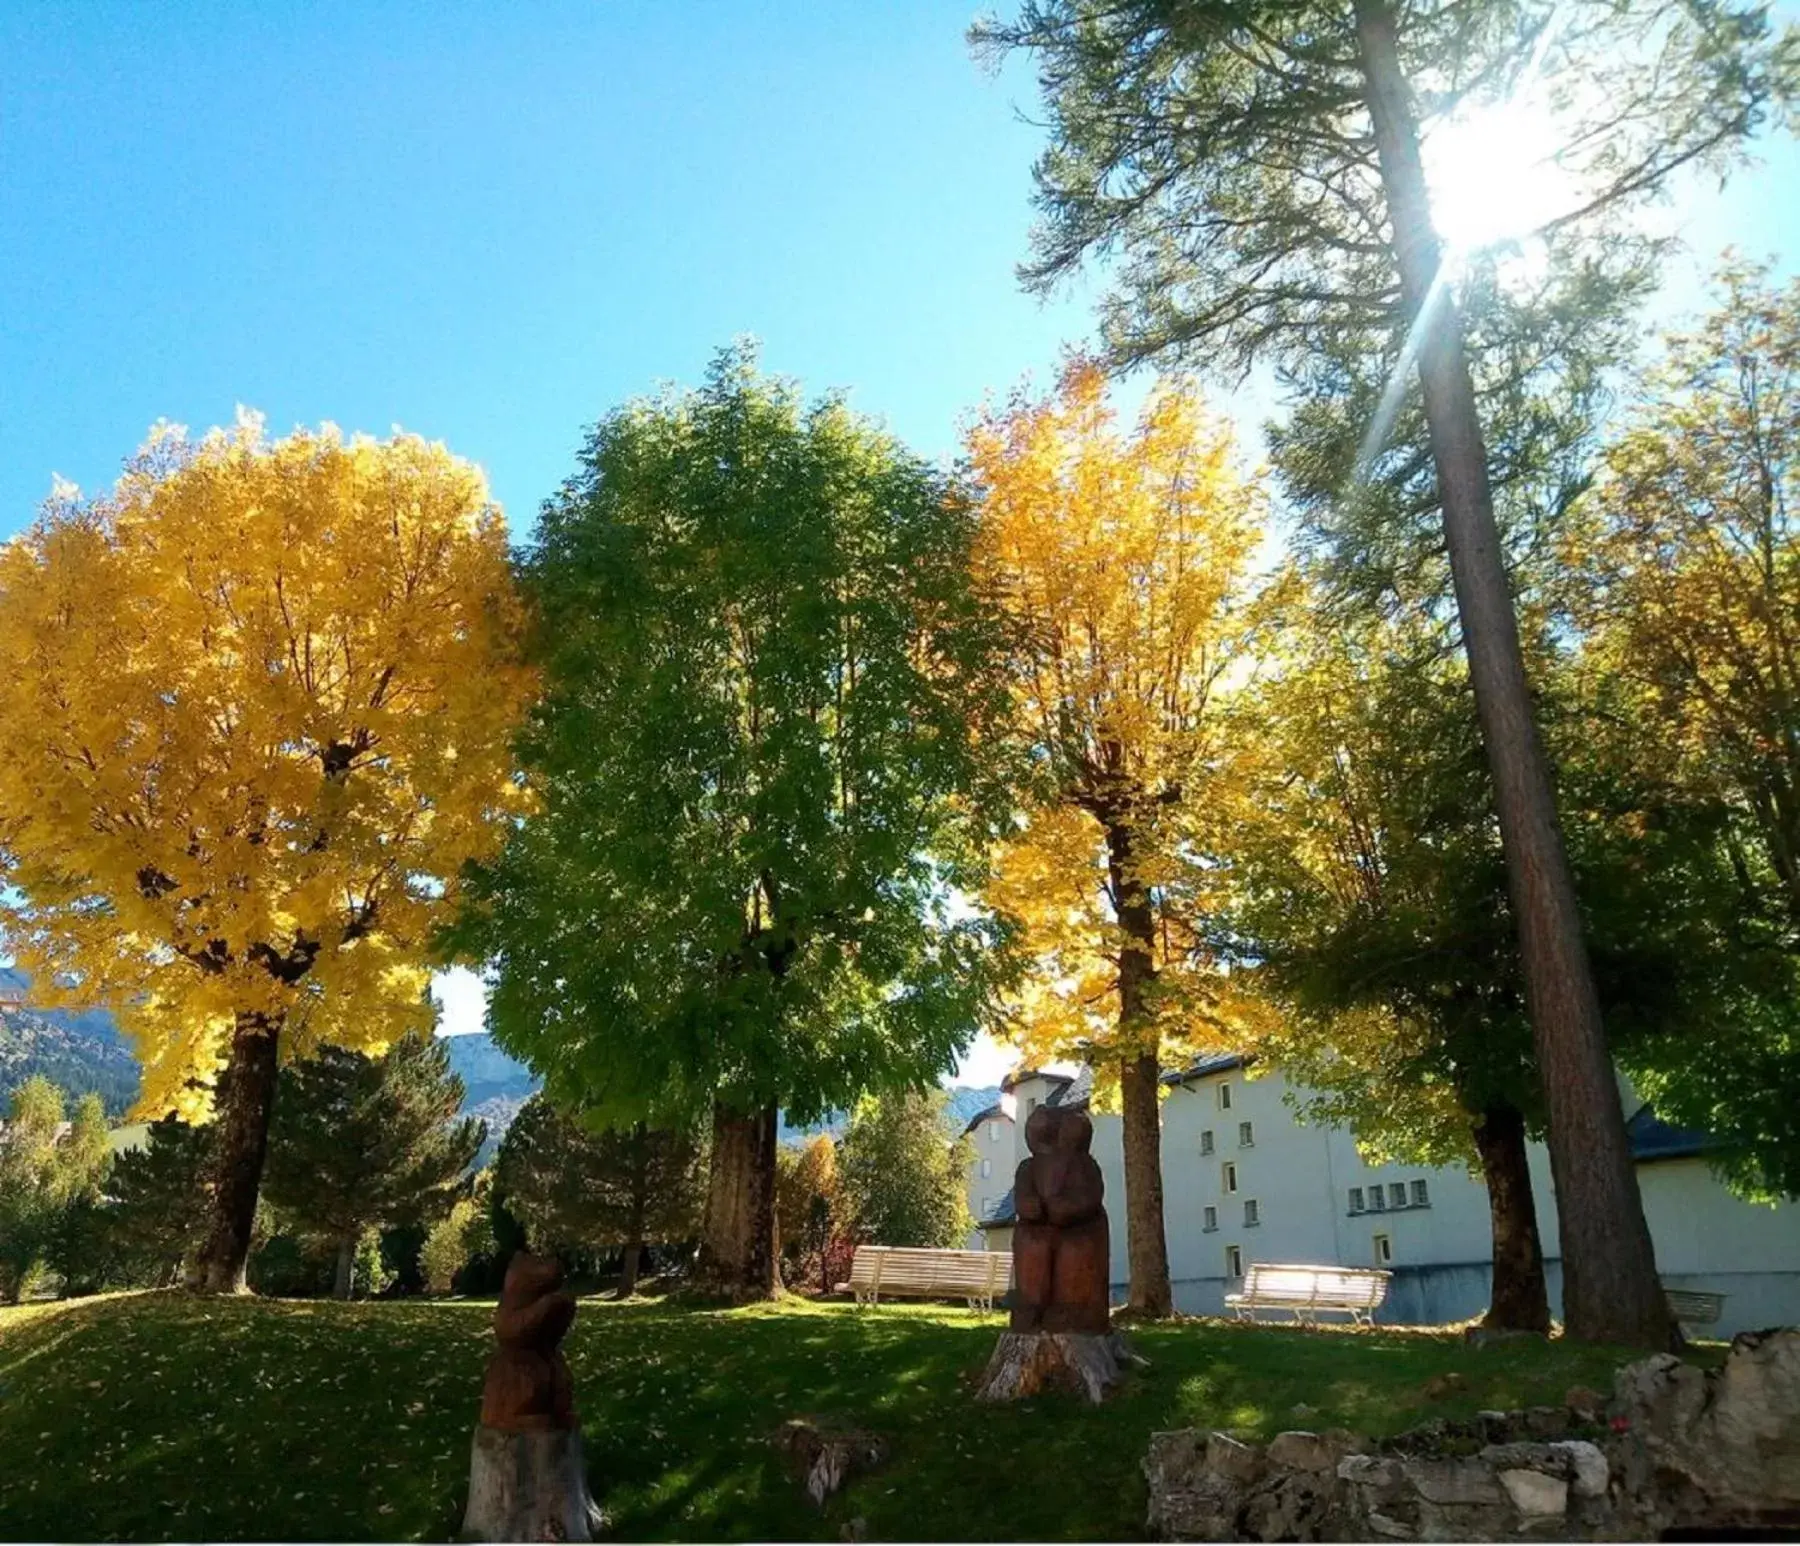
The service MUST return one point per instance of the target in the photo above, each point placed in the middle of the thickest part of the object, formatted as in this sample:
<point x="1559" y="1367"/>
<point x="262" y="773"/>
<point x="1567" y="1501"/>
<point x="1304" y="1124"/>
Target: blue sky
<point x="489" y="223"/>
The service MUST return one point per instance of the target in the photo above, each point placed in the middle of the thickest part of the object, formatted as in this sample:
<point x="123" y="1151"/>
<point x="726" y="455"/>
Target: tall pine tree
<point x="359" y="1140"/>
<point x="1259" y="170"/>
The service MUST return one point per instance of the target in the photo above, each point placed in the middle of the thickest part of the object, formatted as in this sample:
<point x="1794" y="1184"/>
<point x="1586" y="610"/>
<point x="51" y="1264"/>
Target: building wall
<point x="992" y="1142"/>
<point x="1440" y="1253"/>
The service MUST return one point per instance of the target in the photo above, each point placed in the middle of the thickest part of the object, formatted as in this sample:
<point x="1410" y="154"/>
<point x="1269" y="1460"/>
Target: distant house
<point x="1245" y="1181"/>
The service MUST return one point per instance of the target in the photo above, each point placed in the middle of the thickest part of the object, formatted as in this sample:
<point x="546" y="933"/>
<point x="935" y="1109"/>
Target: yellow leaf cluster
<point x="258" y="716"/>
<point x="1128" y="562"/>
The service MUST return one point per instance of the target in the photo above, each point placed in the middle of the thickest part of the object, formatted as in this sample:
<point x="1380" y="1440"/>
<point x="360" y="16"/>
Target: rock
<point x="1305" y="1452"/>
<point x="1585" y="1404"/>
<point x="857" y="1529"/>
<point x="1368" y="1471"/>
<point x="1536" y="1495"/>
<point x="1391" y="1528"/>
<point x="1232" y="1459"/>
<point x="1188" y="1500"/>
<point x="1587" y="1465"/>
<point x="1457" y="1483"/>
<point x="1441" y="1386"/>
<point x="826" y="1452"/>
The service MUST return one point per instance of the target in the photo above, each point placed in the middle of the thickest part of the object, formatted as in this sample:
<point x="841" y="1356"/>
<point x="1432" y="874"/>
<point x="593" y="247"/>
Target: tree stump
<point x="529" y="1487"/>
<point x="526" y="1479"/>
<point x="1027" y="1363"/>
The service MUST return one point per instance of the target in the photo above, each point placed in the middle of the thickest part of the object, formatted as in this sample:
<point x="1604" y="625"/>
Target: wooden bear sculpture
<point x="1061" y="1247"/>
<point x="527" y="1481"/>
<point x="528" y="1389"/>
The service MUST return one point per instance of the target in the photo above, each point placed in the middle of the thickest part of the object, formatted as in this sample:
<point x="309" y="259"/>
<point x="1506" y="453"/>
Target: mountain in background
<point x="82" y="1050"/>
<point x="78" y="1050"/>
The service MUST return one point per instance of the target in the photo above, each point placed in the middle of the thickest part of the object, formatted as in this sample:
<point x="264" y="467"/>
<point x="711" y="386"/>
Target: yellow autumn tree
<point x="258" y="716"/>
<point x="1128" y="562"/>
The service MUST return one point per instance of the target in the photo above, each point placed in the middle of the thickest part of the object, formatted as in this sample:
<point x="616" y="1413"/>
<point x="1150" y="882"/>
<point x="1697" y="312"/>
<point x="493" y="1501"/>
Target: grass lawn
<point x="157" y="1416"/>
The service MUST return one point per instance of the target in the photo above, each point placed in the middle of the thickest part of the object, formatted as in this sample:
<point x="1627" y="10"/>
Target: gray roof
<point x="1651" y="1138"/>
<point x="982" y="1116"/>
<point x="1212" y="1063"/>
<point x="1073" y="1094"/>
<point x="1002" y="1216"/>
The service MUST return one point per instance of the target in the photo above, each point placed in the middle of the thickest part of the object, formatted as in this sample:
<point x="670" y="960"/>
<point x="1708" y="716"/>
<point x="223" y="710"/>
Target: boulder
<point x="1536" y="1495"/>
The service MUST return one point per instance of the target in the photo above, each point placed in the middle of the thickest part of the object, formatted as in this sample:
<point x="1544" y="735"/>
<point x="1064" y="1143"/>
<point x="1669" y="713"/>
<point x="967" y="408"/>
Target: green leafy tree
<point x="44" y="1171"/>
<point x="1259" y="171"/>
<point x="812" y="1211"/>
<point x="360" y="1141"/>
<point x="1374" y="899"/>
<point x="446" y="1250"/>
<point x="1686" y="557"/>
<point x="576" y="1189"/>
<point x="760" y="775"/>
<point x="903" y="1178"/>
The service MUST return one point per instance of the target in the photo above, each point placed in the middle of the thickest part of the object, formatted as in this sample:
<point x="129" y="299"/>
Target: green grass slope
<point x="156" y="1416"/>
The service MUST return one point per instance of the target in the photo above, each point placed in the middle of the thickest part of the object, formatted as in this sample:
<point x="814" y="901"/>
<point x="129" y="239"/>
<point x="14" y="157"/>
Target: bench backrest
<point x="902" y="1268"/>
<point x="1362" y="1288"/>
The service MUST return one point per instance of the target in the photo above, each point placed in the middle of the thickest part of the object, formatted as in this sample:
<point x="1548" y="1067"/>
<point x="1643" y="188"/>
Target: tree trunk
<point x="628" y="1269"/>
<point x="1610" y="1290"/>
<point x="243" y="1103"/>
<point x="1520" y="1301"/>
<point x="343" y="1283"/>
<point x="737" y="1238"/>
<point x="640" y="1203"/>
<point x="1140" y="1070"/>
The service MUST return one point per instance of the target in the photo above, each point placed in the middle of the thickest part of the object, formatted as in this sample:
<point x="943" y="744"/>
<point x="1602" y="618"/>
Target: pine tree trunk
<point x="640" y="1203"/>
<point x="244" y="1101"/>
<point x="1610" y="1290"/>
<point x="343" y="1283"/>
<point x="737" y="1237"/>
<point x="1146" y="1244"/>
<point x="1520" y="1301"/>
<point x="628" y="1269"/>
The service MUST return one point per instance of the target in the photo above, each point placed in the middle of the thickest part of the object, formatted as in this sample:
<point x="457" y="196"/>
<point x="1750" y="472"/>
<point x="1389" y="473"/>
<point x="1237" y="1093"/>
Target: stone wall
<point x="1676" y="1448"/>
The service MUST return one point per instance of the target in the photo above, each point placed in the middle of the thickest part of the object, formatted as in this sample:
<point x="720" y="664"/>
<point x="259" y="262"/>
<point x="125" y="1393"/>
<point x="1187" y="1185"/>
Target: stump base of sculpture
<point x="529" y="1487"/>
<point x="1029" y="1363"/>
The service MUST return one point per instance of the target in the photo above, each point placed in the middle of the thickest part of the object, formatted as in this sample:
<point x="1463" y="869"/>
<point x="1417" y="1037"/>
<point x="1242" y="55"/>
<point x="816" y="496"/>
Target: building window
<point x="1209" y="1219"/>
<point x="1377" y="1198"/>
<point x="1246" y="1135"/>
<point x="1421" y="1197"/>
<point x="987" y="1168"/>
<point x="1234" y="1261"/>
<point x="993" y="1132"/>
<point x="1031" y="1103"/>
<point x="1225" y="1097"/>
<point x="1229" y="1176"/>
<point x="1206" y="1143"/>
<point x="1397" y="1195"/>
<point x="1356" y="1199"/>
<point x="1251" y="1217"/>
<point x="1384" y="1250"/>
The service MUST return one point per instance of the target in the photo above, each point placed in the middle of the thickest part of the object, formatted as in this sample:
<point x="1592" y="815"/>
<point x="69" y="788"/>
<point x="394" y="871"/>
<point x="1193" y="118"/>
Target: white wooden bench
<point x="1694" y="1308"/>
<point x="911" y="1272"/>
<point x="1308" y="1292"/>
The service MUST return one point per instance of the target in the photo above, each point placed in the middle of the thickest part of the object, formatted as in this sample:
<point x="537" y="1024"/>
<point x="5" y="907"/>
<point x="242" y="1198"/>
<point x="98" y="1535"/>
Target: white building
<point x="1245" y="1181"/>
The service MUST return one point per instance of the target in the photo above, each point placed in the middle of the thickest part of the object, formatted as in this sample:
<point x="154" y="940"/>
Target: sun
<point x="1495" y="175"/>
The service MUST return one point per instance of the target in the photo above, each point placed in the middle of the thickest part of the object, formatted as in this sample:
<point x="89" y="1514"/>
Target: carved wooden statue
<point x="528" y="1389"/>
<point x="527" y="1481"/>
<point x="1061" y="1249"/>
<point x="1061" y="1334"/>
